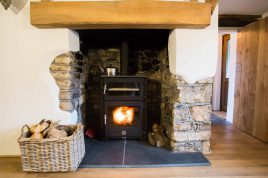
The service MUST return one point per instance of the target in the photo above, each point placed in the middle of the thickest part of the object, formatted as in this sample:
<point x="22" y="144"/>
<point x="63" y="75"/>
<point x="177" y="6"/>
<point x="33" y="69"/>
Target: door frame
<point x="224" y="80"/>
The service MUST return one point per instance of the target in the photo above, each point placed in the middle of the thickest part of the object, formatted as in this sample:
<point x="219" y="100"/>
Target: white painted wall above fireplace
<point x="193" y="53"/>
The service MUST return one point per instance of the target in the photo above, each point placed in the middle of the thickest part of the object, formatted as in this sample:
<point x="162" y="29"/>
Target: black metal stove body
<point x="123" y="106"/>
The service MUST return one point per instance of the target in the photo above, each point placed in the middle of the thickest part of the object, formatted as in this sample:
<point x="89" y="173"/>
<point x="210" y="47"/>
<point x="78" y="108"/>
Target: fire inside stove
<point x="123" y="115"/>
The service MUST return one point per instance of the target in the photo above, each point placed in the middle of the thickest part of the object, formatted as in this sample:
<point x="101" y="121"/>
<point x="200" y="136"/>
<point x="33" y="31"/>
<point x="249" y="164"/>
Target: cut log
<point x="151" y="139"/>
<point x="160" y="140"/>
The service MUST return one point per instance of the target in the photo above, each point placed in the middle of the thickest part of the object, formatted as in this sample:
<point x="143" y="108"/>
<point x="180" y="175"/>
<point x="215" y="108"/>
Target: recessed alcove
<point x="132" y="53"/>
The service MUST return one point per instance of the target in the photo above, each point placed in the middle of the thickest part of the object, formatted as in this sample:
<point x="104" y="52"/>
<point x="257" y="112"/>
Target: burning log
<point x="123" y="115"/>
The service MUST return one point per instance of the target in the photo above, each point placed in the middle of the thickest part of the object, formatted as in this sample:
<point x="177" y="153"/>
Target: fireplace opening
<point x="129" y="103"/>
<point x="168" y="111"/>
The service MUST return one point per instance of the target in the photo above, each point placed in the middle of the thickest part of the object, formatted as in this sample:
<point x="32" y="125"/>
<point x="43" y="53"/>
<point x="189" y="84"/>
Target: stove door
<point x="123" y="119"/>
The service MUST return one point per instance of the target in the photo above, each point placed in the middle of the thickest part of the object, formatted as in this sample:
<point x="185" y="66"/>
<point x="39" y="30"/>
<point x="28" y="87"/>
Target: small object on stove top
<point x="110" y="71"/>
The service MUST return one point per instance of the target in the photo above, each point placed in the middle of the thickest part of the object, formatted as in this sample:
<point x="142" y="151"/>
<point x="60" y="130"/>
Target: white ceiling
<point x="243" y="7"/>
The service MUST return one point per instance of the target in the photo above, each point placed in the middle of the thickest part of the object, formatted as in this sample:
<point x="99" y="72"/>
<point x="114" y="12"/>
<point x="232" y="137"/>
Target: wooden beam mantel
<point x="213" y="4"/>
<point x="120" y="14"/>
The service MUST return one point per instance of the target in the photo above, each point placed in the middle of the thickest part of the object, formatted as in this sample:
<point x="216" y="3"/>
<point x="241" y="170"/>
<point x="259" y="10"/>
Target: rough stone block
<point x="201" y="113"/>
<point x="208" y="80"/>
<point x="69" y="95"/>
<point x="65" y="75"/>
<point x="67" y="59"/>
<point x="192" y="146"/>
<point x="195" y="94"/>
<point x="67" y="106"/>
<point x="68" y="84"/>
<point x="180" y="113"/>
<point x="62" y="67"/>
<point x="198" y="126"/>
<point x="184" y="136"/>
<point x="182" y="126"/>
<point x="206" y="147"/>
<point x="189" y="126"/>
<point x="171" y="79"/>
<point x="155" y="76"/>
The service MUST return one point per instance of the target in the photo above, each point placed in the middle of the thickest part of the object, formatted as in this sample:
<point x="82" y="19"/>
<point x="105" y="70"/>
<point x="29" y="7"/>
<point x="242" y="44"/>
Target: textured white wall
<point x="232" y="71"/>
<point x="195" y="53"/>
<point x="28" y="92"/>
<point x="217" y="79"/>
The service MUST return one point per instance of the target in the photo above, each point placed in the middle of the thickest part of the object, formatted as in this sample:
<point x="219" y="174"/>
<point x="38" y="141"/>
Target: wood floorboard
<point x="234" y="154"/>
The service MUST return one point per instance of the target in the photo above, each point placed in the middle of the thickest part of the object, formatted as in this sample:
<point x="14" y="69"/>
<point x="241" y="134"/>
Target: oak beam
<point x="213" y="4"/>
<point x="120" y="14"/>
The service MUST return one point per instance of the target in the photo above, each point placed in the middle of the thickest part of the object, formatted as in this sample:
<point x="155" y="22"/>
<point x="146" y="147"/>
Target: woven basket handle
<point x="22" y="129"/>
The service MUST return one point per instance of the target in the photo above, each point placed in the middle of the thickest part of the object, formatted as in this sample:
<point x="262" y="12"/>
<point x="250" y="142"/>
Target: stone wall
<point x="71" y="71"/>
<point x="104" y="57"/>
<point x="67" y="70"/>
<point x="185" y="109"/>
<point x="186" y="113"/>
<point x="98" y="57"/>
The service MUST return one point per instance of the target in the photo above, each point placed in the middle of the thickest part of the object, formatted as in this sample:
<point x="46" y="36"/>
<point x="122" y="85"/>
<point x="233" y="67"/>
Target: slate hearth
<point x="134" y="153"/>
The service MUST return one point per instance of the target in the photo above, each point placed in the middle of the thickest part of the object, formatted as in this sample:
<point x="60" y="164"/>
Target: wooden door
<point x="260" y="123"/>
<point x="251" y="85"/>
<point x="224" y="79"/>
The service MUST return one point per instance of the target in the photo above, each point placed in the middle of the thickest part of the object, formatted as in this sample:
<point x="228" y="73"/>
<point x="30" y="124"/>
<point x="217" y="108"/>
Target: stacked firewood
<point x="158" y="137"/>
<point x="47" y="129"/>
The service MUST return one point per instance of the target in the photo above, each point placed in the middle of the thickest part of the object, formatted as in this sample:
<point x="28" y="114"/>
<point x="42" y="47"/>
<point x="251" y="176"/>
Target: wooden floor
<point x="234" y="154"/>
<point x="220" y="114"/>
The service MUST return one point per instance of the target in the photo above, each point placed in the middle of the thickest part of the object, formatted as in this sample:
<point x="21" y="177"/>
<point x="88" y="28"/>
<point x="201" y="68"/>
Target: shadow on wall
<point x="11" y="147"/>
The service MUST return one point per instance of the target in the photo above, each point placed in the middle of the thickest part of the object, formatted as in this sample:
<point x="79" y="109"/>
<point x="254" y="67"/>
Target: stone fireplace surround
<point x="185" y="108"/>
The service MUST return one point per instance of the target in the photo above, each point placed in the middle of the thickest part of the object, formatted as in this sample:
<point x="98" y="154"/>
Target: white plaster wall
<point x="232" y="71"/>
<point x="231" y="75"/>
<point x="195" y="52"/>
<point x="217" y="79"/>
<point x="28" y="92"/>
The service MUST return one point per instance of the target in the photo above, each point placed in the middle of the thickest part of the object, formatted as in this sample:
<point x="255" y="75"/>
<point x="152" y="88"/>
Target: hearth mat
<point x="134" y="154"/>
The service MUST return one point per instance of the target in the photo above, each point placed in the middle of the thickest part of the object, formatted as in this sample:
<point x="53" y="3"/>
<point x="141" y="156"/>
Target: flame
<point x="123" y="115"/>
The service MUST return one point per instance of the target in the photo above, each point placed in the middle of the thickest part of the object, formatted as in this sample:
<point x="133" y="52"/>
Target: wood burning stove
<point x="124" y="106"/>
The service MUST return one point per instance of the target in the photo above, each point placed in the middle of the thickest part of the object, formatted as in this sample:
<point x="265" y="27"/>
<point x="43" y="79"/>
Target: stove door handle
<point x="105" y="119"/>
<point x="104" y="90"/>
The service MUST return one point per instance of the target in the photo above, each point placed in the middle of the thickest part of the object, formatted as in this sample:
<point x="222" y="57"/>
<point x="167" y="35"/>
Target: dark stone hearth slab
<point x="103" y="152"/>
<point x="106" y="154"/>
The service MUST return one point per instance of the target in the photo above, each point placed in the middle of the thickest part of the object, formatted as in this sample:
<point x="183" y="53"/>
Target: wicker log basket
<point x="53" y="155"/>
